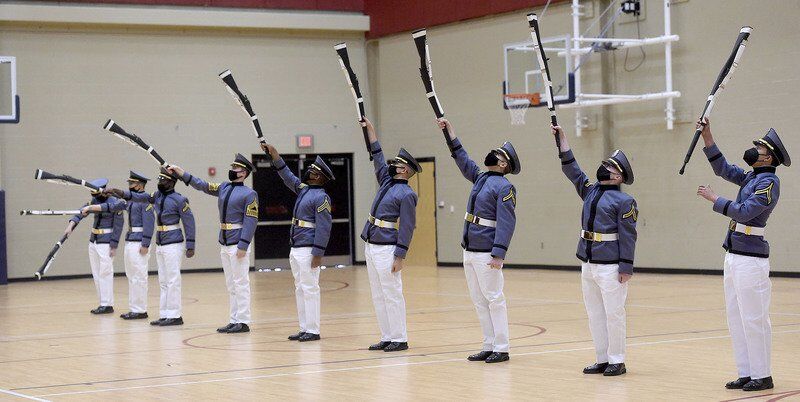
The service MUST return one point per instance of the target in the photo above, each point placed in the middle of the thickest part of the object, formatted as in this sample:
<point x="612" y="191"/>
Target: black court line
<point x="350" y="361"/>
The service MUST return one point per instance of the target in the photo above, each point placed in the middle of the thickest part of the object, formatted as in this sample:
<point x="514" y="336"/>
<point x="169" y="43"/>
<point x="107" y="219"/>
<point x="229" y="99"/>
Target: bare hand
<point x="85" y="211"/>
<point x="706" y="133"/>
<point x="70" y="226"/>
<point x="143" y="250"/>
<point x="445" y="124"/>
<point x="176" y="170"/>
<point x="271" y="150"/>
<point x="624" y="278"/>
<point x="112" y="252"/>
<point x="240" y="253"/>
<point x="370" y="129"/>
<point x="708" y="193"/>
<point x="189" y="253"/>
<point x="397" y="266"/>
<point x="558" y="131"/>
<point x="115" y="192"/>
<point x="496" y="263"/>
<point x="316" y="261"/>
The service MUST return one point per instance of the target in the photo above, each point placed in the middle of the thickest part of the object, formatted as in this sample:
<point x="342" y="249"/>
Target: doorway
<point x="276" y="203"/>
<point x="422" y="252"/>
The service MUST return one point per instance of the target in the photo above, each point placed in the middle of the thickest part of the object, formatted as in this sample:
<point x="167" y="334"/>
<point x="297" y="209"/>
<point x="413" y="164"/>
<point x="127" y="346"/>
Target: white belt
<point x="303" y="224"/>
<point x="230" y="226"/>
<point x="167" y="228"/>
<point x="383" y="224"/>
<point x="102" y="231"/>
<point x="137" y="229"/>
<point x="480" y="221"/>
<point x="594" y="236"/>
<point x="748" y="230"/>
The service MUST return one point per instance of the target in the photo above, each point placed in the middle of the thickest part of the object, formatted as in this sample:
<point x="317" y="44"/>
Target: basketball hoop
<point x="518" y="104"/>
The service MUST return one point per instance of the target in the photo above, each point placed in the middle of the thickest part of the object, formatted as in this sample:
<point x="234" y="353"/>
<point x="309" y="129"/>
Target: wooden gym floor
<point x="678" y="345"/>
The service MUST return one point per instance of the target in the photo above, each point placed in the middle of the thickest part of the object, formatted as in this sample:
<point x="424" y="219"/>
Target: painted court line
<point x="379" y="366"/>
<point x="23" y="396"/>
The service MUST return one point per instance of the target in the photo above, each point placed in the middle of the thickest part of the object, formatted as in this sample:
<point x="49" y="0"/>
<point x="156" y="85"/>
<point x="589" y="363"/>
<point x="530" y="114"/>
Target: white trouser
<point x="306" y="289"/>
<point x="136" y="271"/>
<point x="747" y="295"/>
<point x="604" y="298"/>
<point x="387" y="292"/>
<point x="237" y="279"/>
<point x="102" y="272"/>
<point x="486" y="290"/>
<point x="169" y="258"/>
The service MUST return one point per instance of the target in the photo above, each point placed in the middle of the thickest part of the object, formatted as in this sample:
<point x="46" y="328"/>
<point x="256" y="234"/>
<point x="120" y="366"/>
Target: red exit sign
<point x="305" y="141"/>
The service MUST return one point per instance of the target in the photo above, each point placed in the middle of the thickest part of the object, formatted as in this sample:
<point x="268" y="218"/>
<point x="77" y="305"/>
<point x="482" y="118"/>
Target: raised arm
<point x="570" y="166"/>
<point x="289" y="178"/>
<point x="408" y="221"/>
<point x="324" y="222"/>
<point x="719" y="164"/>
<point x="506" y="221"/>
<point x="187" y="217"/>
<point x="468" y="167"/>
<point x="378" y="160"/>
<point x="626" y="232"/>
<point x="249" y="221"/>
<point x="148" y="224"/>
<point x="195" y="182"/>
<point x="766" y="192"/>
<point x="143" y="198"/>
<point x="76" y="219"/>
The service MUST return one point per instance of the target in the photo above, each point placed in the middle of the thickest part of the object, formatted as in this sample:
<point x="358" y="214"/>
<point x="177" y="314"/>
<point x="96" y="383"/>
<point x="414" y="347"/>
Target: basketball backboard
<point x="9" y="100"/>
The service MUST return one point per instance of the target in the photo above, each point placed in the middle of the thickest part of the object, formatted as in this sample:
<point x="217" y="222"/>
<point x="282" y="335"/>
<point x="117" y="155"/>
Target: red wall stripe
<point x="389" y="17"/>
<point x="317" y="5"/>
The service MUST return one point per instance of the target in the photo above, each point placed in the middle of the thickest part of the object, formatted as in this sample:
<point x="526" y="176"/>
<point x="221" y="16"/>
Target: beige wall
<point x="162" y="85"/>
<point x="677" y="229"/>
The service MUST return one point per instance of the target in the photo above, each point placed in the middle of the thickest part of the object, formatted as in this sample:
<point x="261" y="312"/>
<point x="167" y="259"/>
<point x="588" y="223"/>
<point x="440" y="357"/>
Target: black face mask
<point x="491" y="159"/>
<point x="101" y="198"/>
<point x="307" y="175"/>
<point x="233" y="175"/>
<point x="164" y="187"/>
<point x="393" y="170"/>
<point x="603" y="173"/>
<point x="751" y="156"/>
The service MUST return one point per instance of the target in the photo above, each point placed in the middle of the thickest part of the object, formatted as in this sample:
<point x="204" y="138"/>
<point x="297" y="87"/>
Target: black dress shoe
<point x="238" y="328"/>
<point x="615" y="369"/>
<point x="738" y="383"/>
<point x="480" y="356"/>
<point x="296" y="336"/>
<point x="158" y="321"/>
<point x="308" y="336"/>
<point x="103" y="310"/>
<point x="171" y="321"/>
<point x="597" y="368"/>
<point x="497" y="357"/>
<point x="225" y="328"/>
<point x="380" y="345"/>
<point x="759" y="384"/>
<point x="396" y="347"/>
<point x="133" y="316"/>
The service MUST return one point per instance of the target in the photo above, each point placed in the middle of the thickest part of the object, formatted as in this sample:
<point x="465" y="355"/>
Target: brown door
<point x="422" y="251"/>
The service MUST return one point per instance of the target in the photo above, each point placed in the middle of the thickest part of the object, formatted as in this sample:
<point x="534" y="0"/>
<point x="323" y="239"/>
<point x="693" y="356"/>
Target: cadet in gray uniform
<point x="141" y="223"/>
<point x="103" y="241"/>
<point x="746" y="268"/>
<point x="309" y="235"/>
<point x="606" y="248"/>
<point x="488" y="228"/>
<point x="238" y="217"/>
<point x="387" y="234"/>
<point x="171" y="209"/>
